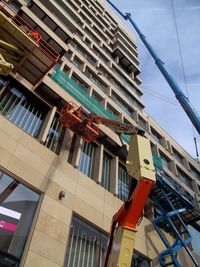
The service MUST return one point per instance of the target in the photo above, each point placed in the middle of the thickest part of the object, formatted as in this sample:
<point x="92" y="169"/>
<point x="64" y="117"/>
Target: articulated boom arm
<point x="139" y="165"/>
<point x="183" y="100"/>
<point x="117" y="126"/>
<point x="122" y="236"/>
<point x="86" y="124"/>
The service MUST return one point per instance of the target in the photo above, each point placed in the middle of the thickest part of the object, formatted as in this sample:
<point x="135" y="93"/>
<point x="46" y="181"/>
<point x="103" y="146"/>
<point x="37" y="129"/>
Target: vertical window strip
<point x="123" y="183"/>
<point x="105" y="180"/>
<point x="87" y="159"/>
<point x="22" y="112"/>
<point x="55" y="136"/>
<point x="86" y="246"/>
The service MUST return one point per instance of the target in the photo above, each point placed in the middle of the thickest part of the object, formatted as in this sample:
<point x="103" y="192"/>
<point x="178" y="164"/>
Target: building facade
<point x="58" y="193"/>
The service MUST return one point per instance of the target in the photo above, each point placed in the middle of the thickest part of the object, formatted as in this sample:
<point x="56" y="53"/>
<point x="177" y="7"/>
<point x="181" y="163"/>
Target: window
<point x="55" y="136"/>
<point x="2" y="82"/>
<point x="140" y="261"/>
<point x="87" y="159"/>
<point x="123" y="183"/>
<point x="49" y="22"/>
<point x="122" y="104"/>
<point x="106" y="171"/>
<point x="142" y="122"/>
<point x="17" y="209"/>
<point x="164" y="160"/>
<point x="77" y="63"/>
<point x="156" y="136"/>
<point x="93" y="77"/>
<point x="84" y="53"/>
<point x="195" y="172"/>
<point x="23" y="109"/>
<point x="112" y="110"/>
<point x="184" y="178"/>
<point x="177" y="155"/>
<point x="45" y="37"/>
<point x="97" y="97"/>
<point x="80" y="82"/>
<point x="86" y="245"/>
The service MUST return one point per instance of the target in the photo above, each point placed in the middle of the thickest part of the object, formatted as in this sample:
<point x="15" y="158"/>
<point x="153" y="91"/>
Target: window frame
<point x="36" y="213"/>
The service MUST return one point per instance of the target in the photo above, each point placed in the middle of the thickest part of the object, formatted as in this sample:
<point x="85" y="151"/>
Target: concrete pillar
<point x="172" y="167"/>
<point x="76" y="152"/>
<point x="46" y="125"/>
<point x="98" y="164"/>
<point x="114" y="176"/>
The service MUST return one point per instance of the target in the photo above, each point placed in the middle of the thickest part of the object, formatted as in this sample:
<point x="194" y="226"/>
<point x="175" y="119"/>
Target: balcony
<point x="126" y="58"/>
<point x="31" y="56"/>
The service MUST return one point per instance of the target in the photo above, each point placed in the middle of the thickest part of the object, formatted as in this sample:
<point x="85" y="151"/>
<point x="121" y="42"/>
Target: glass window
<point x="55" y="136"/>
<point x="195" y="239"/>
<point x="37" y="11"/>
<point x="87" y="159"/>
<point x="140" y="261"/>
<point x="77" y="63"/>
<point x="106" y="170"/>
<point x="142" y="122"/>
<point x="184" y="178"/>
<point x="93" y="77"/>
<point x="123" y="183"/>
<point x="2" y="82"/>
<point x="122" y="104"/>
<point x="49" y="23"/>
<point x="177" y="155"/>
<point x="78" y="81"/>
<point x="164" y="160"/>
<point x="97" y="97"/>
<point x="23" y="109"/>
<point x="17" y="208"/>
<point x="195" y="172"/>
<point x="112" y="110"/>
<point x="86" y="245"/>
<point x="156" y="136"/>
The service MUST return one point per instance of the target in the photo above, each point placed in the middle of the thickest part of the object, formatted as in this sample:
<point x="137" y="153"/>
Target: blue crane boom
<point x="182" y="99"/>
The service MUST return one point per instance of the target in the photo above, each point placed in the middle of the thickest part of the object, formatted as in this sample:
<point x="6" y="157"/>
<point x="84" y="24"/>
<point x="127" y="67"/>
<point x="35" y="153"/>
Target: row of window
<point x="86" y="244"/>
<point x="87" y="165"/>
<point x="28" y="112"/>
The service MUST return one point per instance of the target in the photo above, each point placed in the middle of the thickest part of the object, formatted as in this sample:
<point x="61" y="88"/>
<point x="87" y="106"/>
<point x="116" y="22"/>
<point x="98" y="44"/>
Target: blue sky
<point x="156" y="20"/>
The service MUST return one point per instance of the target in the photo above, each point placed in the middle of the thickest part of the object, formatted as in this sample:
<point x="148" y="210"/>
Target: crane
<point x="182" y="99"/>
<point x="139" y="165"/>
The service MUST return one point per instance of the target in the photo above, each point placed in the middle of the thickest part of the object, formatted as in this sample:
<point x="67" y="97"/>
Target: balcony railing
<point x="49" y="51"/>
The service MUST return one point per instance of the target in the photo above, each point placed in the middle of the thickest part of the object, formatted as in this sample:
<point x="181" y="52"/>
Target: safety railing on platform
<point x="24" y="26"/>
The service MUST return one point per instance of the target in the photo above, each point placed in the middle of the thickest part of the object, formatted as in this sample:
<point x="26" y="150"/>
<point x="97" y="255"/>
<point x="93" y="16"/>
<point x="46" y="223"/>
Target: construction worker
<point x="34" y="35"/>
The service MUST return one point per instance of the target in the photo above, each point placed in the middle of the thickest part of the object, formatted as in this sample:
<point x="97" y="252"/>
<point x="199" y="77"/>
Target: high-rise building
<point x="58" y="193"/>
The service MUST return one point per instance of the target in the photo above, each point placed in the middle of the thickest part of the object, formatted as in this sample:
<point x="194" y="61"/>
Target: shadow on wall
<point x="151" y="244"/>
<point x="57" y="161"/>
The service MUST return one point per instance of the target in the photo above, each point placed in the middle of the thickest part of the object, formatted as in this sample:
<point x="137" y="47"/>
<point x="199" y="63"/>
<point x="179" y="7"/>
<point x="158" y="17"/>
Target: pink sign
<point x="8" y="226"/>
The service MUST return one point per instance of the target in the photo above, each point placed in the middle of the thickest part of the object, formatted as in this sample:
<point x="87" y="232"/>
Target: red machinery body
<point x="74" y="118"/>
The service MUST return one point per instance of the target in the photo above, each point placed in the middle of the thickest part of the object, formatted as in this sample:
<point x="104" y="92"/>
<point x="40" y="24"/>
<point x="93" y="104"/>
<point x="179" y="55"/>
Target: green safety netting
<point x="157" y="161"/>
<point x="82" y="97"/>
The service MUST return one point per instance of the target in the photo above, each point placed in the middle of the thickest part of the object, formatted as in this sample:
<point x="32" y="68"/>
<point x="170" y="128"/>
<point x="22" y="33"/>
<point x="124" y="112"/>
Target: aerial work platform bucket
<point x="74" y="118"/>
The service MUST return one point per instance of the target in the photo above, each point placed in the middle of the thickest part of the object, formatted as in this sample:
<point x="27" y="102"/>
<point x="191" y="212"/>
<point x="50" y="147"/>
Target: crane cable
<point x="183" y="69"/>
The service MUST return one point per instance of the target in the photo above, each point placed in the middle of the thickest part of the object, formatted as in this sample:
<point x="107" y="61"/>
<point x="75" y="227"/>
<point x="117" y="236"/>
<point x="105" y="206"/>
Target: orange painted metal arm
<point x="131" y="211"/>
